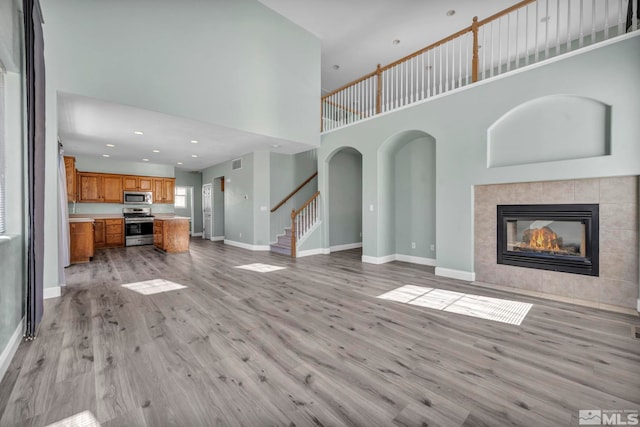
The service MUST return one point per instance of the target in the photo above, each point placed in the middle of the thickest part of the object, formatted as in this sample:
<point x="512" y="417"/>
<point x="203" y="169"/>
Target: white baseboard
<point x="217" y="238"/>
<point x="309" y="252"/>
<point x="247" y="246"/>
<point x="196" y="234"/>
<point x="398" y="257"/>
<point x="467" y="276"/>
<point x="378" y="260"/>
<point x="10" y="350"/>
<point x="638" y="305"/>
<point x="416" y="260"/>
<point x="345" y="247"/>
<point x="53" y="292"/>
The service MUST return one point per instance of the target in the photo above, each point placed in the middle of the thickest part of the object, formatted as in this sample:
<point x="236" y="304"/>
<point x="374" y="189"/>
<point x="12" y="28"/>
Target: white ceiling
<point x="358" y="34"/>
<point x="86" y="125"/>
<point x="355" y="34"/>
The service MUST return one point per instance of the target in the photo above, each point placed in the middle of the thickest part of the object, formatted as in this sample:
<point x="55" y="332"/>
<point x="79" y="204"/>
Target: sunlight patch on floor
<point x="154" y="286"/>
<point x="499" y="310"/>
<point x="82" y="419"/>
<point x="260" y="268"/>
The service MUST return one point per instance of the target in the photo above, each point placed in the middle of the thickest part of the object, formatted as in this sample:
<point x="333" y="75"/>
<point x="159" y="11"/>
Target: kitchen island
<point x="171" y="233"/>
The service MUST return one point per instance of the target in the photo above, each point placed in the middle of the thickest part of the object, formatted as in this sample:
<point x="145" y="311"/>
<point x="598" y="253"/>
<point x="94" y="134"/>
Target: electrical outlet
<point x="240" y="234"/>
<point x="370" y="208"/>
<point x="413" y="245"/>
<point x="433" y="247"/>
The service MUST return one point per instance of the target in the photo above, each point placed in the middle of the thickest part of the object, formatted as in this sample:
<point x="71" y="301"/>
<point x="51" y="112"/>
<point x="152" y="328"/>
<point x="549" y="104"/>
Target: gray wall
<point x="415" y="198"/>
<point x="192" y="179"/>
<point x="345" y="197"/>
<point x="91" y="164"/>
<point x="12" y="244"/>
<point x="229" y="62"/>
<point x="459" y="123"/>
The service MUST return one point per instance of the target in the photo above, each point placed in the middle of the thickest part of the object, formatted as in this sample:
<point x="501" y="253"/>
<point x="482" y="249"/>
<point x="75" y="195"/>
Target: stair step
<point x="284" y="250"/>
<point x="284" y="241"/>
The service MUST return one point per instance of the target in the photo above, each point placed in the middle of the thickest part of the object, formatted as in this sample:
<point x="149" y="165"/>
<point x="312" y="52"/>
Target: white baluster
<point x="581" y="32"/>
<point x="569" y="25"/>
<point x="557" y="28"/>
<point x="440" y="73"/>
<point x="593" y="21"/>
<point x="526" y="36"/>
<point x="546" y="30"/>
<point x="620" y="23"/>
<point x="536" y="25"/>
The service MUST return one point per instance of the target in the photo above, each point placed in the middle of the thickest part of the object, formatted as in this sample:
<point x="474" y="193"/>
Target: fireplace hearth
<point x="549" y="237"/>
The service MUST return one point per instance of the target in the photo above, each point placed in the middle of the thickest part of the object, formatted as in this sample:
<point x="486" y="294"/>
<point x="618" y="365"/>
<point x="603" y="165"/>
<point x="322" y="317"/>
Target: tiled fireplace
<point x="592" y="239"/>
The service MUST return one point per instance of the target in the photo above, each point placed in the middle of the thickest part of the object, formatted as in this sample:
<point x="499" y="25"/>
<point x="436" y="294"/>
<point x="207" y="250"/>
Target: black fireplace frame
<point x="588" y="214"/>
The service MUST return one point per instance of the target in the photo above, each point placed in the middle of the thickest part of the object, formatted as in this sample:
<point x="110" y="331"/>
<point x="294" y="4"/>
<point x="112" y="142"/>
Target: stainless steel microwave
<point x="138" y="197"/>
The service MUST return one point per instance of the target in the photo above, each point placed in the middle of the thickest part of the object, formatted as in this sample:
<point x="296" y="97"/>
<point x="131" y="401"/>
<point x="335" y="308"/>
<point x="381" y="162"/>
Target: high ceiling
<point x="355" y="34"/>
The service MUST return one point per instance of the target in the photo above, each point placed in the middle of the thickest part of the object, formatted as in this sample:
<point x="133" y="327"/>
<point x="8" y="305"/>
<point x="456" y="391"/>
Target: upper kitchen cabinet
<point x="70" y="170"/>
<point x="164" y="190"/>
<point x="99" y="188"/>
<point x="137" y="183"/>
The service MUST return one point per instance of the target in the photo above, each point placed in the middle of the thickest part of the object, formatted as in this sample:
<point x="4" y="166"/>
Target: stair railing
<point x="527" y="32"/>
<point x="302" y="220"/>
<point x="281" y="212"/>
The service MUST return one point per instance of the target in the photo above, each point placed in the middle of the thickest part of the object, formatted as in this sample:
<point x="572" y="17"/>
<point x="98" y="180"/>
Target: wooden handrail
<point x="342" y="107"/>
<point x="504" y="12"/>
<point x="295" y="213"/>
<point x="472" y="28"/>
<point x="290" y="195"/>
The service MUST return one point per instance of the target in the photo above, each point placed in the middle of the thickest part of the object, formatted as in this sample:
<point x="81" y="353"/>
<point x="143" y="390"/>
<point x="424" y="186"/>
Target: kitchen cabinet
<point x="70" y="170"/>
<point x="109" y="233"/>
<point x="164" y="190"/>
<point x="171" y="235"/>
<point x="99" y="187"/>
<point x="137" y="183"/>
<point x="81" y="243"/>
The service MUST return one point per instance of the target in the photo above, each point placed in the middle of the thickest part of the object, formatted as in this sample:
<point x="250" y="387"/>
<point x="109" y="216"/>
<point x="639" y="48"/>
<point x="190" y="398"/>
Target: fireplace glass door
<point x="547" y="237"/>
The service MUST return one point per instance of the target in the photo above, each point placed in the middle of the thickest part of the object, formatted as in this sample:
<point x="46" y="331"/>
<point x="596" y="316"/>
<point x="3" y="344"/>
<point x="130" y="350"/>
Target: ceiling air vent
<point x="236" y="164"/>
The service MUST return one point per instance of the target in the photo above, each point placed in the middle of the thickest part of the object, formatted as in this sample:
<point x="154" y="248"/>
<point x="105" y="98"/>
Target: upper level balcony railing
<point x="525" y="33"/>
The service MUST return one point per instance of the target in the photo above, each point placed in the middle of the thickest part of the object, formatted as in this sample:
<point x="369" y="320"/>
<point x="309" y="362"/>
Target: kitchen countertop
<point x="81" y="219"/>
<point x="96" y="216"/>
<point x="169" y="218"/>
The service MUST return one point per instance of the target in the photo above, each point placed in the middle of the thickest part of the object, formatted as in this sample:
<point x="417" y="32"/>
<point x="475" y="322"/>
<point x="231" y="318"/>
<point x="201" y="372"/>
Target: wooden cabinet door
<point x="81" y="241"/>
<point x="89" y="187"/>
<point x="145" y="184"/>
<point x="70" y="170"/>
<point x="114" y="232"/>
<point x="130" y="183"/>
<point x="158" y="234"/>
<point x="112" y="192"/>
<point x="158" y="190"/>
<point x="169" y="189"/>
<point x="99" y="233"/>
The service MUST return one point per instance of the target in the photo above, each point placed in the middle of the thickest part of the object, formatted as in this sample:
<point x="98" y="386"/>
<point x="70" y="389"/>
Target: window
<point x="181" y="197"/>
<point x="2" y="156"/>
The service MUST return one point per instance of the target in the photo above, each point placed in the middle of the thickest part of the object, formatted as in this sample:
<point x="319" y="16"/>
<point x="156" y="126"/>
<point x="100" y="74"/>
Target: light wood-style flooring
<point x="310" y="345"/>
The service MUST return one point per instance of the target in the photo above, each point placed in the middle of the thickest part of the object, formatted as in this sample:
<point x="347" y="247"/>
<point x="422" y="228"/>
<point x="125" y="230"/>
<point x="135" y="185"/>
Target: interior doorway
<point x="207" y="211"/>
<point x="218" y="209"/>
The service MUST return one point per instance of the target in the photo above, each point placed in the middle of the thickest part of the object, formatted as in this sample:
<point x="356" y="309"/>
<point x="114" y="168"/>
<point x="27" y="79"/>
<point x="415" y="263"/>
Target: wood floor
<point x="306" y="346"/>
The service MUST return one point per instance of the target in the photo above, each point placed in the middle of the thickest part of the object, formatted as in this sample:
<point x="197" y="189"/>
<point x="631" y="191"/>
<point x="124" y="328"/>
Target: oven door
<point x="138" y="233"/>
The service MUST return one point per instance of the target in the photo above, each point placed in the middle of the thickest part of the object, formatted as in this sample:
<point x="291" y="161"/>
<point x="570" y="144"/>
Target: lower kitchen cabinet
<point x="171" y="235"/>
<point x="81" y="241"/>
<point x="109" y="233"/>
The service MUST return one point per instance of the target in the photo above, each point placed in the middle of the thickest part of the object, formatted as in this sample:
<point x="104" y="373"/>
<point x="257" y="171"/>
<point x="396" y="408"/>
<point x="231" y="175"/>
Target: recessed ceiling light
<point x="396" y="41"/>
<point x="194" y="155"/>
<point x="451" y="12"/>
<point x="137" y="132"/>
<point x="179" y="163"/>
<point x="110" y="145"/>
<point x="156" y="151"/>
<point x="193" y="141"/>
<point x="335" y="67"/>
<point x="106" y="155"/>
<point x="276" y="146"/>
<point x="145" y="160"/>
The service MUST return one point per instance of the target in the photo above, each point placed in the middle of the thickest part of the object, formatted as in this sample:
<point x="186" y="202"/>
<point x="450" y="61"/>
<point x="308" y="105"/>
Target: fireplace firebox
<point x="549" y="237"/>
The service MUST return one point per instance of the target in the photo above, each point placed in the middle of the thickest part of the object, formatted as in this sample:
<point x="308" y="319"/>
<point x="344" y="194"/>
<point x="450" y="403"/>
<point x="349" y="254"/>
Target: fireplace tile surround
<point x="617" y="286"/>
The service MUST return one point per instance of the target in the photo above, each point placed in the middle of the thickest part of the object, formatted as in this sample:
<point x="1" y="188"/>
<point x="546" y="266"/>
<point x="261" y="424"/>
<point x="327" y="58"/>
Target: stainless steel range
<point x="138" y="226"/>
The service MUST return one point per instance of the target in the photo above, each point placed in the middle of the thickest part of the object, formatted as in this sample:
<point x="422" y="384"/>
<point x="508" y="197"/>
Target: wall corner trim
<point x="217" y="238"/>
<point x="10" y="350"/>
<point x="378" y="260"/>
<point x="53" y="292"/>
<point x="467" y="276"/>
<point x="247" y="246"/>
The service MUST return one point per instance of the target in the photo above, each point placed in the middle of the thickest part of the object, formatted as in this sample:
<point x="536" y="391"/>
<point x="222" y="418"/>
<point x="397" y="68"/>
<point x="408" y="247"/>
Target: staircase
<point x="283" y="245"/>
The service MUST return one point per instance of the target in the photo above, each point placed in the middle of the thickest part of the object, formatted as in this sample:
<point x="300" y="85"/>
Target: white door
<point x="207" y="212"/>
